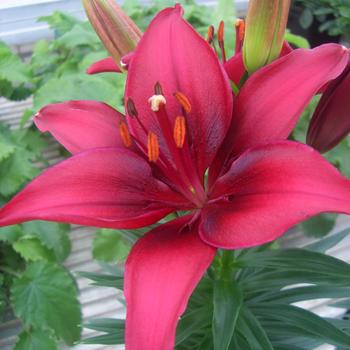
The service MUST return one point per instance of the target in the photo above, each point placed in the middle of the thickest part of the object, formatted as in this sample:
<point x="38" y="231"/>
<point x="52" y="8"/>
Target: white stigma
<point x="156" y="101"/>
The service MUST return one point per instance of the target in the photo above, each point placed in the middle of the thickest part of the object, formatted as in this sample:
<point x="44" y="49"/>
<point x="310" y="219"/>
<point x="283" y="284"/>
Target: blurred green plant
<point x="333" y="15"/>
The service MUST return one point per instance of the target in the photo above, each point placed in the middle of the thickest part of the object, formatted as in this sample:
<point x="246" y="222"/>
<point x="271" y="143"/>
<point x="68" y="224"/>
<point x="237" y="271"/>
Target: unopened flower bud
<point x="330" y="122"/>
<point x="117" y="31"/>
<point x="264" y="32"/>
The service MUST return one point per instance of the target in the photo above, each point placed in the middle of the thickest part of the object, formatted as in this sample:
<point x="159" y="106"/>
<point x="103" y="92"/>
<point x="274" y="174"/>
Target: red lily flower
<point x="259" y="186"/>
<point x="330" y="122"/>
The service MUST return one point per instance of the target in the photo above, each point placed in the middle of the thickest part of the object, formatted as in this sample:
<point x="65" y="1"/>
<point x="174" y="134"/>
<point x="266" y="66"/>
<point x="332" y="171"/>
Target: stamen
<point x="183" y="100"/>
<point x="221" y="31"/>
<point x="240" y="29"/>
<point x="156" y="101"/>
<point x="210" y="34"/>
<point x="124" y="134"/>
<point x="179" y="131"/>
<point x="130" y="106"/>
<point x="158" y="89"/>
<point x="152" y="147"/>
<point x="221" y="40"/>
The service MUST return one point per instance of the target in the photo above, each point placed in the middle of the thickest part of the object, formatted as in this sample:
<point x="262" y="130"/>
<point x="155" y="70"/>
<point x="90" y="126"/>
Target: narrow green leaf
<point x="107" y="325"/>
<point x="104" y="280"/>
<point x="227" y="303"/>
<point x="105" y="339"/>
<point x="249" y="326"/>
<point x="328" y="242"/>
<point x="304" y="320"/>
<point x="192" y="322"/>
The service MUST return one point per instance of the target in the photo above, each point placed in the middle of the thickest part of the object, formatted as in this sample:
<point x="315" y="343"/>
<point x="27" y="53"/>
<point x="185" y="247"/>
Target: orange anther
<point x="210" y="34"/>
<point x="124" y="134"/>
<point x="221" y="32"/>
<point x="180" y="131"/>
<point x="152" y="147"/>
<point x="183" y="100"/>
<point x="240" y="28"/>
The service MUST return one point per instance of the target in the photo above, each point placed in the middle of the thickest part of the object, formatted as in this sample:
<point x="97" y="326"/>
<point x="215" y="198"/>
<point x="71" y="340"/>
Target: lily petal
<point x="331" y="120"/>
<point x="161" y="272"/>
<point x="81" y="125"/>
<point x="271" y="101"/>
<point x="103" y="66"/>
<point x="269" y="189"/>
<point x="235" y="69"/>
<point x="103" y="187"/>
<point x="173" y="54"/>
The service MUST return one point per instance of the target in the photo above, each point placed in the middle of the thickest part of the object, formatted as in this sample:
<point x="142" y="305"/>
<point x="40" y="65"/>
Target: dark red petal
<point x="269" y="189"/>
<point x="235" y="68"/>
<point x="273" y="98"/>
<point x="104" y="187"/>
<point x="103" y="66"/>
<point x="173" y="54"/>
<point x="331" y="120"/>
<point x="161" y="272"/>
<point x="81" y="125"/>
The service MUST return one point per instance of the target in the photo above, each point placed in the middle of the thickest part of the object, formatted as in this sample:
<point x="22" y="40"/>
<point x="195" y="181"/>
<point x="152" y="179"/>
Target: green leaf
<point x="31" y="249"/>
<point x="104" y="280"/>
<point x="304" y="320"/>
<point x="52" y="235"/>
<point x="78" y="35"/>
<point x="35" y="340"/>
<point x="77" y="87"/>
<point x="45" y="296"/>
<point x="115" y="329"/>
<point x="12" y="68"/>
<point x="192" y="322"/>
<point x="296" y="40"/>
<point x="327" y="243"/>
<point x="10" y="234"/>
<point x="109" y="246"/>
<point x="227" y="302"/>
<point x="6" y="149"/>
<point x="306" y="18"/>
<point x="320" y="225"/>
<point x="249" y="326"/>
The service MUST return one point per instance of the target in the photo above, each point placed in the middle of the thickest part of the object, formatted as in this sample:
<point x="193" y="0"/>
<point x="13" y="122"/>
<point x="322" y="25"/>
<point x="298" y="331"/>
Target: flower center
<point x="176" y="164"/>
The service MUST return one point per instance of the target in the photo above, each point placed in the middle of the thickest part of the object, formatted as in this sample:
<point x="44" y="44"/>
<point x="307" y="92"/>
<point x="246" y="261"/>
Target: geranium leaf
<point x="31" y="249"/>
<point x="35" y="340"/>
<point x="109" y="246"/>
<point x="44" y="296"/>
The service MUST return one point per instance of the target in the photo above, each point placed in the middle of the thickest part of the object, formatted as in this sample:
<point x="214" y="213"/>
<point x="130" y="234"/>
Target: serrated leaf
<point x="31" y="249"/>
<point x="45" y="296"/>
<point x="52" y="235"/>
<point x="109" y="246"/>
<point x="10" y="234"/>
<point x="227" y="303"/>
<point x="77" y="87"/>
<point x="78" y="35"/>
<point x="6" y="149"/>
<point x="35" y="340"/>
<point x="12" y="68"/>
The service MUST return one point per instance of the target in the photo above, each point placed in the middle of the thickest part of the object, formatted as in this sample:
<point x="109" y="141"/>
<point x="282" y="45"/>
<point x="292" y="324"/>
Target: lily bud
<point x="264" y="32"/>
<point x="331" y="120"/>
<point x="117" y="31"/>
